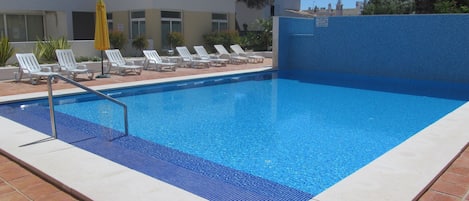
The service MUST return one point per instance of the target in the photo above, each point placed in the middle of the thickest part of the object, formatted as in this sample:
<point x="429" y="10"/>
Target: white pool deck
<point x="400" y="174"/>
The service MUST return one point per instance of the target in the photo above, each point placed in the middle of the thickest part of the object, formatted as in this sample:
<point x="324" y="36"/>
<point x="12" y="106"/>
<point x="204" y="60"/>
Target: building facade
<point x="29" y="20"/>
<point x="246" y="17"/>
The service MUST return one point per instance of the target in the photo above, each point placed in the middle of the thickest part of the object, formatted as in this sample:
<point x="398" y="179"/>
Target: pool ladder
<point x="50" y="78"/>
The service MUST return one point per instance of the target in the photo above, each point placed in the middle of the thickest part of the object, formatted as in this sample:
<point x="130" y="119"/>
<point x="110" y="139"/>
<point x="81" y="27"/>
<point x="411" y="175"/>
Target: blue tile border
<point x="199" y="176"/>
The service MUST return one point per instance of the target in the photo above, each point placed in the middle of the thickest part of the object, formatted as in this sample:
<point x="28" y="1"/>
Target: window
<point x="21" y="27"/>
<point x="83" y="25"/>
<point x="16" y="27"/>
<point x="110" y="24"/>
<point x="34" y="27"/>
<point x="219" y="22"/>
<point x="2" y="26"/>
<point x="137" y="19"/>
<point x="170" y="22"/>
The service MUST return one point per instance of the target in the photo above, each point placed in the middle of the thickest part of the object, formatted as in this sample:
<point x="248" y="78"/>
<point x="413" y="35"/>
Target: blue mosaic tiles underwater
<point x="199" y="176"/>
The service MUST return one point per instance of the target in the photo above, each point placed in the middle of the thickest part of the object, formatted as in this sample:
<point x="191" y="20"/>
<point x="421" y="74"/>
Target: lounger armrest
<point x="196" y="57"/>
<point x="24" y="70"/>
<point x="251" y="53"/>
<point x="213" y="56"/>
<point x="203" y="57"/>
<point x="61" y="67"/>
<point x="224" y="56"/>
<point x="186" y="59"/>
<point x="113" y="64"/>
<point x="129" y="62"/>
<point x="46" y="69"/>
<point x="243" y="54"/>
<point x="82" y="66"/>
<point x="152" y="61"/>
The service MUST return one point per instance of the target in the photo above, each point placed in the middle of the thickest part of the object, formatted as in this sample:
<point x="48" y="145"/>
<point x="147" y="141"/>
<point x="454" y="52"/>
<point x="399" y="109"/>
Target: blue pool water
<point x="306" y="133"/>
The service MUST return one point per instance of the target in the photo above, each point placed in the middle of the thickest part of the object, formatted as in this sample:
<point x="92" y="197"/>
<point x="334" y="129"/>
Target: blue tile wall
<point x="422" y="47"/>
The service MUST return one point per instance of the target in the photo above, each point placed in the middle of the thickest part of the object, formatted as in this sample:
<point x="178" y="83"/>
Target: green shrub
<point x="175" y="39"/>
<point x="140" y="43"/>
<point x="83" y="58"/>
<point x="259" y="40"/>
<point x="117" y="39"/>
<point x="6" y="51"/>
<point x="95" y="58"/>
<point x="221" y="38"/>
<point x="45" y="50"/>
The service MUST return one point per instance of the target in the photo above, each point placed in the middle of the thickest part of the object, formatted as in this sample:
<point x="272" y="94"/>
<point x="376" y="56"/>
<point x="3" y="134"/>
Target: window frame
<point x="110" y="22"/>
<point x="219" y="21"/>
<point x="5" y="29"/>
<point x="171" y="20"/>
<point x="140" y="21"/>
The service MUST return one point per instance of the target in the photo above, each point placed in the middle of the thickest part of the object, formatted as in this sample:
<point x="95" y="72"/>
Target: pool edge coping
<point x="405" y="171"/>
<point x="9" y="98"/>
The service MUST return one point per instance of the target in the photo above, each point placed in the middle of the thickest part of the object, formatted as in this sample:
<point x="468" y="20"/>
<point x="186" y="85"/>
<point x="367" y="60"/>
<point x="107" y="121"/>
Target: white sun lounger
<point x="234" y="59"/>
<point x="252" y="57"/>
<point x="29" y="65"/>
<point x="189" y="60"/>
<point x="152" y="58"/>
<point x="203" y="54"/>
<point x="67" y="63"/>
<point x="115" y="60"/>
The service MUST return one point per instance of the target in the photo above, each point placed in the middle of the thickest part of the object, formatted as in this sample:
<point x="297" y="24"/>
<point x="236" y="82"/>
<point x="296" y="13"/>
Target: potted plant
<point x="140" y="43"/>
<point x="45" y="49"/>
<point x="117" y="39"/>
<point x="175" y="39"/>
<point x="6" y="51"/>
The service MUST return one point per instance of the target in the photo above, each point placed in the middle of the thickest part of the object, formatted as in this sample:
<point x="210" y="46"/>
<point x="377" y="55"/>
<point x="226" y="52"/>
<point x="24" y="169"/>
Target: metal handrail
<point x="51" y="102"/>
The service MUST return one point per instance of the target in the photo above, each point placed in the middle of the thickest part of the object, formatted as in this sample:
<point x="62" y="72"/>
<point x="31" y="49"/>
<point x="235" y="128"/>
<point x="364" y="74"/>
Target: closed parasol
<point x="101" y="32"/>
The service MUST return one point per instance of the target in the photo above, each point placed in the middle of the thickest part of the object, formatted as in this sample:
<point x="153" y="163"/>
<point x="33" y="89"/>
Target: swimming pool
<point x="294" y="130"/>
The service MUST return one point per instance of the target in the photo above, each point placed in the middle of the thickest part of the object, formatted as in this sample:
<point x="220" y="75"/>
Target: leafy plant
<point x="221" y="38"/>
<point x="175" y="39"/>
<point x="379" y="7"/>
<point x="117" y="39"/>
<point x="259" y="40"/>
<point x="6" y="50"/>
<point x="258" y="4"/>
<point x="140" y="43"/>
<point x="83" y="58"/>
<point x="95" y="58"/>
<point x="449" y="6"/>
<point x="45" y="50"/>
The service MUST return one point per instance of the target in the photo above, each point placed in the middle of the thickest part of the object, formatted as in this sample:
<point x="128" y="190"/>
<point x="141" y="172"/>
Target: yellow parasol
<point x="101" y="32"/>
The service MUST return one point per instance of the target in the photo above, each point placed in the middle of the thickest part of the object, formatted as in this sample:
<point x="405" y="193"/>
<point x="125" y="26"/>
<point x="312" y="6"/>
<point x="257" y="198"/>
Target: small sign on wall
<point x="322" y="21"/>
<point x="120" y="27"/>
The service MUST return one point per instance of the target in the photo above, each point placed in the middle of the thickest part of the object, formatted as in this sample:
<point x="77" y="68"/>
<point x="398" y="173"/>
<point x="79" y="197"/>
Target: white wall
<point x="52" y="5"/>
<point x="245" y="15"/>
<point x="225" y="6"/>
<point x="119" y="5"/>
<point x="250" y="15"/>
<point x="281" y="6"/>
<point x="80" y="48"/>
